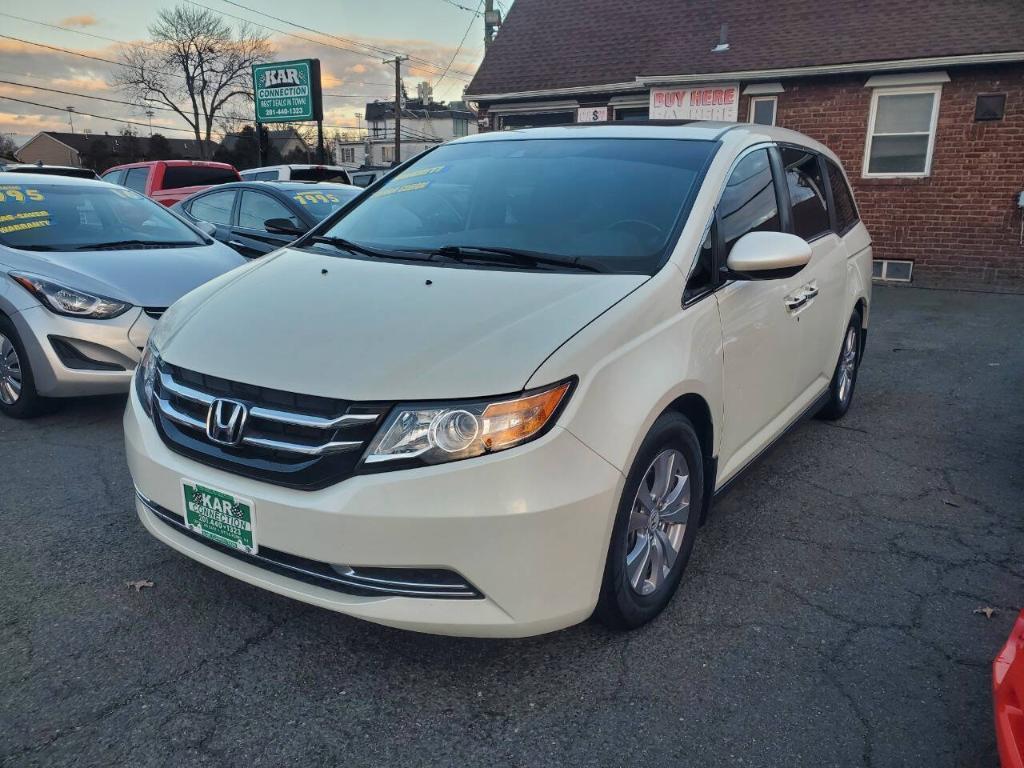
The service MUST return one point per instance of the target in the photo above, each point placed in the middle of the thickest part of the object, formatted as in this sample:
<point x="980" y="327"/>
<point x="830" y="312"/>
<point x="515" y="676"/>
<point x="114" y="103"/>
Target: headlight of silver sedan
<point x="145" y="377"/>
<point x="432" y="433"/>
<point x="70" y="301"/>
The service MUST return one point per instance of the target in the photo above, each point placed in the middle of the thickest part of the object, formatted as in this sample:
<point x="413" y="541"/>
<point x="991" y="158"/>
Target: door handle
<point x="800" y="299"/>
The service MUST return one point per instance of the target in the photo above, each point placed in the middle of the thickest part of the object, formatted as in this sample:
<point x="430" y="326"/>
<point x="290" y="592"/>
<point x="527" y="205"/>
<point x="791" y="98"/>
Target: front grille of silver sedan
<point x="299" y="441"/>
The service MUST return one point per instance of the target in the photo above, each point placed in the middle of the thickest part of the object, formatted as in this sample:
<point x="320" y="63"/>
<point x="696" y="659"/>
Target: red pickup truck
<point x="168" y="181"/>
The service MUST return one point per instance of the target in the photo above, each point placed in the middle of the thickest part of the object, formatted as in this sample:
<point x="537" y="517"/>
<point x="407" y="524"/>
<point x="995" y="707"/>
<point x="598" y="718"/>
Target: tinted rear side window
<point x="320" y="174"/>
<point x="806" y="193"/>
<point x="842" y="197"/>
<point x="114" y="177"/>
<point x="136" y="179"/>
<point x="178" y="176"/>
<point x="748" y="203"/>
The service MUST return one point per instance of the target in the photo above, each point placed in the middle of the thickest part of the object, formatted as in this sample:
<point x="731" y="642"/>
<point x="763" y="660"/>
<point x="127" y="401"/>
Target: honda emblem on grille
<point x="226" y="421"/>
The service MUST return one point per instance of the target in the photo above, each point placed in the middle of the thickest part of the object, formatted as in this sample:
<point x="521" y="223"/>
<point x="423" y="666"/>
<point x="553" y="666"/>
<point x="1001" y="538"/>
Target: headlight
<point x="438" y="432"/>
<point x="145" y="377"/>
<point x="68" y="301"/>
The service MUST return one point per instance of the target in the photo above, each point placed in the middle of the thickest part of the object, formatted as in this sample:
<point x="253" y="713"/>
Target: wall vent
<point x="892" y="270"/>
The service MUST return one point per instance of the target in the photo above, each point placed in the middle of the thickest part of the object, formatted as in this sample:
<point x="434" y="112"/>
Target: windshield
<point x="55" y="217"/>
<point x="612" y="202"/>
<point x="322" y="200"/>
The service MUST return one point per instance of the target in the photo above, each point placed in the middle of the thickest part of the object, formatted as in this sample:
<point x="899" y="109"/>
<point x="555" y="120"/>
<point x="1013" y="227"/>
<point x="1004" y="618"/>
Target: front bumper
<point x="528" y="528"/>
<point x="114" y="344"/>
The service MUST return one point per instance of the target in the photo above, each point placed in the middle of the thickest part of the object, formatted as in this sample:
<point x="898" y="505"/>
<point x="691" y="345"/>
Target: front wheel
<point x="18" y="397"/>
<point x="844" y="379"/>
<point x="655" y="526"/>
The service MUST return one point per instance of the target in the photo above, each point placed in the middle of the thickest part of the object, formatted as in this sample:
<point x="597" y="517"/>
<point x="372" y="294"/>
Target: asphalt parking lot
<point x="827" y="619"/>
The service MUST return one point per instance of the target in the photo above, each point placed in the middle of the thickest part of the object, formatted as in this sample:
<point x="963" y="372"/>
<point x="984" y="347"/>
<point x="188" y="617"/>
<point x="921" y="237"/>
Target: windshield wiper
<point x="365" y="250"/>
<point x="130" y="243"/>
<point x="515" y="257"/>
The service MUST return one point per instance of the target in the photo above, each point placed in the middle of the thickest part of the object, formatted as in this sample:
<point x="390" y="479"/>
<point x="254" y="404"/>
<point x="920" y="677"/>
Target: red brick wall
<point x="960" y="225"/>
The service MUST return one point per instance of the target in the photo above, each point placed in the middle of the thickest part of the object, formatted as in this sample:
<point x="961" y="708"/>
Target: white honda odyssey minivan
<point x="496" y="394"/>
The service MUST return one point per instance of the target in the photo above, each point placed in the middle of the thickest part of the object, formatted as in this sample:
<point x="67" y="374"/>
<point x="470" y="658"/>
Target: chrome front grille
<point x="295" y="440"/>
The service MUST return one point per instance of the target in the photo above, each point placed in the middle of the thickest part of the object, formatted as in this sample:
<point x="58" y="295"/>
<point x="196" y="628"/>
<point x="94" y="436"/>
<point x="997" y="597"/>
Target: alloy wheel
<point x="847" y="364"/>
<point x="657" y="521"/>
<point x="10" y="372"/>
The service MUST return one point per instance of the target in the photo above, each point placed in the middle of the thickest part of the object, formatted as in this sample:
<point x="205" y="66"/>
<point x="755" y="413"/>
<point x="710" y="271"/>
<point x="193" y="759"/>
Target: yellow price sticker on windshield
<point x="419" y="172"/>
<point x="306" y="198"/>
<point x="20" y="225"/>
<point x="404" y="188"/>
<point x="11" y="192"/>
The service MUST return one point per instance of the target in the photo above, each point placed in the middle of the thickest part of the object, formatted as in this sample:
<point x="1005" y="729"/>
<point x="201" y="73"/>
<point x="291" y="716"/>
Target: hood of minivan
<point x="146" y="277"/>
<point x="366" y="330"/>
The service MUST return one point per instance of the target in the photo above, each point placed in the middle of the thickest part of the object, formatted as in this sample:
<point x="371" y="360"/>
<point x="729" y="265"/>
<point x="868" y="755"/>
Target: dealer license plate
<point x="217" y="515"/>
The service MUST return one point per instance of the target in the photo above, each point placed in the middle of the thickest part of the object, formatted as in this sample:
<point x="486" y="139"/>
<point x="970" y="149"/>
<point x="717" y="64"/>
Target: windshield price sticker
<point x="308" y="198"/>
<point x="419" y="172"/>
<point x="404" y="188"/>
<point x="15" y="222"/>
<point x="9" y="192"/>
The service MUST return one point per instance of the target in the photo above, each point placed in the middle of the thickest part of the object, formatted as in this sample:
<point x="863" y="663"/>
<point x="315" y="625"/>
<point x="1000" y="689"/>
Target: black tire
<point x="28" y="403"/>
<point x="840" y="397"/>
<point x="620" y="605"/>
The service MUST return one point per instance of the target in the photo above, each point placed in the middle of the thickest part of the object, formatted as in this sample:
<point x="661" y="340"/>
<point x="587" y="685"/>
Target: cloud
<point x="83" y="20"/>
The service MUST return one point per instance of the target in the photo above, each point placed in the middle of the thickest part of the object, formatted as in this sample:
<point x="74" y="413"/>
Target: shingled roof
<point x="555" y="44"/>
<point x="186" y="149"/>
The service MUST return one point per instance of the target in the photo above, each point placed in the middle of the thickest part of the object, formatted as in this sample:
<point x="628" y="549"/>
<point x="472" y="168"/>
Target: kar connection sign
<point x="287" y="91"/>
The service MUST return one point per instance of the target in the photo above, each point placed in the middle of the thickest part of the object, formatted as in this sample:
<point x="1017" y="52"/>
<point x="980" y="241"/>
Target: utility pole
<point x="71" y="119"/>
<point x="397" y="61"/>
<point x="492" y="20"/>
<point x="149" y="113"/>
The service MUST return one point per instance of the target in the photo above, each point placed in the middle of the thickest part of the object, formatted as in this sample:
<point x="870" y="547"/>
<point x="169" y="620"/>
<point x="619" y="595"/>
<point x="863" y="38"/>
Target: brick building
<point x="922" y="99"/>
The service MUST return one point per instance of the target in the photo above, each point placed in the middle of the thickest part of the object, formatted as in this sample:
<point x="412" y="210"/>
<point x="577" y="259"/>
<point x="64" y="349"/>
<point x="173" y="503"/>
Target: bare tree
<point x="195" y="65"/>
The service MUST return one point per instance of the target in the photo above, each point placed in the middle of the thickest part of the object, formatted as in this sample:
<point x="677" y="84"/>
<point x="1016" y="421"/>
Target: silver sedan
<point x="86" y="270"/>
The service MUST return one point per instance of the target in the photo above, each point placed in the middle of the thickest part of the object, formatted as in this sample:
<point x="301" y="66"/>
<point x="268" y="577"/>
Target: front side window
<point x="214" y="208"/>
<point x="806" y="193"/>
<point x="901" y="132"/>
<point x="256" y="209"/>
<point x="113" y="177"/>
<point x="842" y="198"/>
<point x="136" y="179"/>
<point x="609" y="202"/>
<point x="45" y="217"/>
<point x="749" y="203"/>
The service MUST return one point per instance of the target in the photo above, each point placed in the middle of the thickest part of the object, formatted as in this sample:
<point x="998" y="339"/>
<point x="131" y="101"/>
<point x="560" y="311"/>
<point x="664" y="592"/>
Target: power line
<point x="349" y="41"/>
<point x="84" y="96"/>
<point x="68" y="29"/>
<point x="462" y="7"/>
<point x="99" y="117"/>
<point x="459" y="49"/>
<point x="63" y="50"/>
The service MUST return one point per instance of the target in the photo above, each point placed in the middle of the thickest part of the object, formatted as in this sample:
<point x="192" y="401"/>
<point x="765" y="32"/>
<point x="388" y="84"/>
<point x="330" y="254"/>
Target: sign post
<point x="289" y="92"/>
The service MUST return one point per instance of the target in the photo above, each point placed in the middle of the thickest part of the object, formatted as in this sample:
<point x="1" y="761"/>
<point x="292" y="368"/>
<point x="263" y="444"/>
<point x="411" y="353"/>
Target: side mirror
<point x="207" y="227"/>
<point x="767" y="256"/>
<point x="283" y="227"/>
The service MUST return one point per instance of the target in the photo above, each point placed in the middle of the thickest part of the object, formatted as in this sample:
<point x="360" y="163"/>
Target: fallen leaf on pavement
<point x="139" y="585"/>
<point x="988" y="612"/>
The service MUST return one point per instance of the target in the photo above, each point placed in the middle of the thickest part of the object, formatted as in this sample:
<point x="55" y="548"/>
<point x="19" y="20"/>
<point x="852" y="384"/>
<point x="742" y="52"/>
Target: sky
<point x="428" y="30"/>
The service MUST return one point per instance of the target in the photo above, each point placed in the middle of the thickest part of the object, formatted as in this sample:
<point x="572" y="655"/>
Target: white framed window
<point x="387" y="154"/>
<point x="901" y="131"/>
<point x="460" y="126"/>
<point x="347" y="154"/>
<point x="762" y="109"/>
